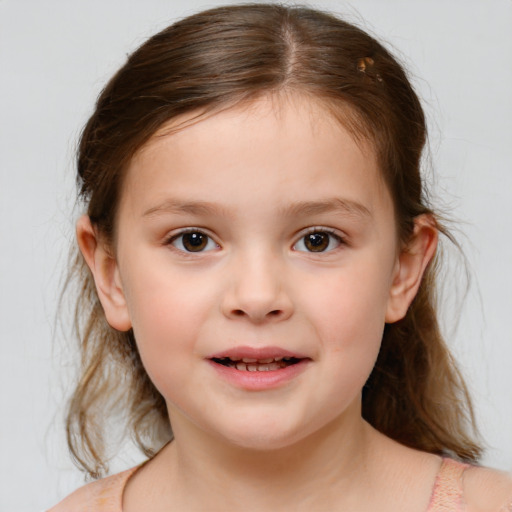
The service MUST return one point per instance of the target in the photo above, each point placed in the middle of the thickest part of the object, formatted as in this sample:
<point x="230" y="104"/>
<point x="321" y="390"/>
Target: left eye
<point x="193" y="241"/>
<point x="318" y="241"/>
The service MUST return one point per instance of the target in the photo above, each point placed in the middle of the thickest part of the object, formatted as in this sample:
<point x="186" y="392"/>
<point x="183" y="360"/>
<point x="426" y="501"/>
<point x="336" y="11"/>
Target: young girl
<point x="257" y="275"/>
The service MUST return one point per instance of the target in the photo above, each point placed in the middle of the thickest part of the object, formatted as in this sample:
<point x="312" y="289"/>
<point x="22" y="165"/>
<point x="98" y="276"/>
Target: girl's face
<point x="257" y="262"/>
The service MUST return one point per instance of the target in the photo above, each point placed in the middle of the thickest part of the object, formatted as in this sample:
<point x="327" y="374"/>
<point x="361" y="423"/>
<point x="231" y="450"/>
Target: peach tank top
<point x="106" y="495"/>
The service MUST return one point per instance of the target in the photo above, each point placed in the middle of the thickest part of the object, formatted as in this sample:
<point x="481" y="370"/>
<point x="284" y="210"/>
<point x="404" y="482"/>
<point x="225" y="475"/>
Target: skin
<point x="256" y="179"/>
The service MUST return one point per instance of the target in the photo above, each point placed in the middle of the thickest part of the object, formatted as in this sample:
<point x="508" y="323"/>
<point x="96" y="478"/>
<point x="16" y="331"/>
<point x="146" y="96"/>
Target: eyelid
<point x="340" y="236"/>
<point x="171" y="237"/>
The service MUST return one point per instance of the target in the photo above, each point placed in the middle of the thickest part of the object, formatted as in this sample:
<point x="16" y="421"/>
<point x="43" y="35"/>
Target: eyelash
<point x="176" y="237"/>
<point x="332" y="235"/>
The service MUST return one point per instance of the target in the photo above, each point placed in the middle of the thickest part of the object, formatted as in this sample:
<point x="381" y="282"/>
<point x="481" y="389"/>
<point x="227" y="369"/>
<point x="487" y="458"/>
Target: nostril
<point x="241" y="312"/>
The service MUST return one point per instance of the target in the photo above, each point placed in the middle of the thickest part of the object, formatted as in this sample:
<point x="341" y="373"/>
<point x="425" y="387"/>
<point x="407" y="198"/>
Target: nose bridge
<point x="257" y="286"/>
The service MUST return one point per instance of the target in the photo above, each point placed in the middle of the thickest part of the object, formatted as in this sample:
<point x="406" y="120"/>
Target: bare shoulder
<point x="80" y="499"/>
<point x="487" y="490"/>
<point x="101" y="495"/>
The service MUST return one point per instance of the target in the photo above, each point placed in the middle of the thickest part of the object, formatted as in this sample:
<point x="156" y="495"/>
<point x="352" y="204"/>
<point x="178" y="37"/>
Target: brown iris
<point x="316" y="242"/>
<point x="195" y="241"/>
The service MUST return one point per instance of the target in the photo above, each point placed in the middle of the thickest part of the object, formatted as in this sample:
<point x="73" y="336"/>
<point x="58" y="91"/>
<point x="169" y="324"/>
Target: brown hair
<point x="213" y="60"/>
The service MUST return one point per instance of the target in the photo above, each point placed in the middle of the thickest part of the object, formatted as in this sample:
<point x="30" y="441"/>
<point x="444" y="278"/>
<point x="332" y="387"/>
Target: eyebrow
<point x="334" y="205"/>
<point x="302" y="208"/>
<point x="203" y="208"/>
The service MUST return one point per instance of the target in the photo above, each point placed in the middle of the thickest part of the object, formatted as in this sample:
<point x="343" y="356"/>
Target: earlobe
<point x="105" y="272"/>
<point x="411" y="265"/>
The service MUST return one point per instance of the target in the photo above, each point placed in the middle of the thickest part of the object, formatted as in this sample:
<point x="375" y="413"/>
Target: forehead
<point x="277" y="107"/>
<point x="288" y="145"/>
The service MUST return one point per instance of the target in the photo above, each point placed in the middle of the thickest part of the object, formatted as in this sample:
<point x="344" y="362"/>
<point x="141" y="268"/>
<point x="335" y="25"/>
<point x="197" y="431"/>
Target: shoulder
<point x="103" y="495"/>
<point x="487" y="490"/>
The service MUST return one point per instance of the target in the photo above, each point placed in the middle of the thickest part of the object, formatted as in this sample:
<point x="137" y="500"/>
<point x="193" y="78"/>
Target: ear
<point x="104" y="269"/>
<point x="410" y="267"/>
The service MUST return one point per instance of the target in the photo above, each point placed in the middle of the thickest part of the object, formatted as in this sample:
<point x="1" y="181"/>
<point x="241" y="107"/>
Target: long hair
<point x="214" y="60"/>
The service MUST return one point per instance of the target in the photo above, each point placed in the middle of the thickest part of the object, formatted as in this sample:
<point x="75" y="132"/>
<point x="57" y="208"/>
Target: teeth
<point x="270" y="367"/>
<point x="259" y="367"/>
<point x="251" y="364"/>
<point x="260" y="361"/>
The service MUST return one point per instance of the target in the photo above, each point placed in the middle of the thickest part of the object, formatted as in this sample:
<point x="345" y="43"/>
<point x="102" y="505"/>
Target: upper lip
<point x="256" y="353"/>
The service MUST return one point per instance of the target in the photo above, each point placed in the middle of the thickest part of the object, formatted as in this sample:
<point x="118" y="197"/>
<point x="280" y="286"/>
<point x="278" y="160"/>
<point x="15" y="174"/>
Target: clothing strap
<point x="447" y="495"/>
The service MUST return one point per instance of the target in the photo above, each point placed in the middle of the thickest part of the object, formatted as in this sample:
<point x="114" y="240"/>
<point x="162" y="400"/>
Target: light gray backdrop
<point x="55" y="56"/>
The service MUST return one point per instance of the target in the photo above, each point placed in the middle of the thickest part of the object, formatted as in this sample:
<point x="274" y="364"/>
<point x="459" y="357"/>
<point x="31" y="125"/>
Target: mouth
<point x="249" y="364"/>
<point x="259" y="369"/>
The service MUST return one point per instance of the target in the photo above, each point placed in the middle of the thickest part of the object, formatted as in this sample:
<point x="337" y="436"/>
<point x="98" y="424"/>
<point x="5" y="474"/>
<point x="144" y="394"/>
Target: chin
<point x="264" y="436"/>
<point x="265" y="443"/>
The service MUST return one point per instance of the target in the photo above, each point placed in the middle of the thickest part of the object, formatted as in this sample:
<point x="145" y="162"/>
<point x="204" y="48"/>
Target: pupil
<point x="317" y="242"/>
<point x="194" y="241"/>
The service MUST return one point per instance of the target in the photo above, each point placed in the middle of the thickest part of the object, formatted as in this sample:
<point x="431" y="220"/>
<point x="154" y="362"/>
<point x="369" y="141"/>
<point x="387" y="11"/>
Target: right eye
<point x="193" y="241"/>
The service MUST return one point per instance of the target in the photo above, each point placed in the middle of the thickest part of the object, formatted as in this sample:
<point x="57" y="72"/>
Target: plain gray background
<point x="55" y="56"/>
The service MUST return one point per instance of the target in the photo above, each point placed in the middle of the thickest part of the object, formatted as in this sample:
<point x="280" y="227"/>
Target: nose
<point x="256" y="290"/>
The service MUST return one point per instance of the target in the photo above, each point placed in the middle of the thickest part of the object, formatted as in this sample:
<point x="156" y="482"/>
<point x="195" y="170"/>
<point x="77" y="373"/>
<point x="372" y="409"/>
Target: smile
<point x="248" y="364"/>
<point x="259" y="369"/>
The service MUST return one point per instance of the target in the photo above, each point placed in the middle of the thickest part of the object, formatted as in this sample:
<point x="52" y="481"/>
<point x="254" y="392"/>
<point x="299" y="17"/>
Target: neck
<point x="330" y="462"/>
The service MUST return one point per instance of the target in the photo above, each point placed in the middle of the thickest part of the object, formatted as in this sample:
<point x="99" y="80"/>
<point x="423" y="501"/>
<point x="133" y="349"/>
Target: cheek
<point x="348" y="313"/>
<point x="163" y="297"/>
<point x="167" y="312"/>
<point x="350" y="304"/>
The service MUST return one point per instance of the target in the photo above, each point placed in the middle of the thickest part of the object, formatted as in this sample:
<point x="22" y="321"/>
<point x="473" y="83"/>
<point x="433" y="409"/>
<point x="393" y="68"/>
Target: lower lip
<point x="260" y="381"/>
